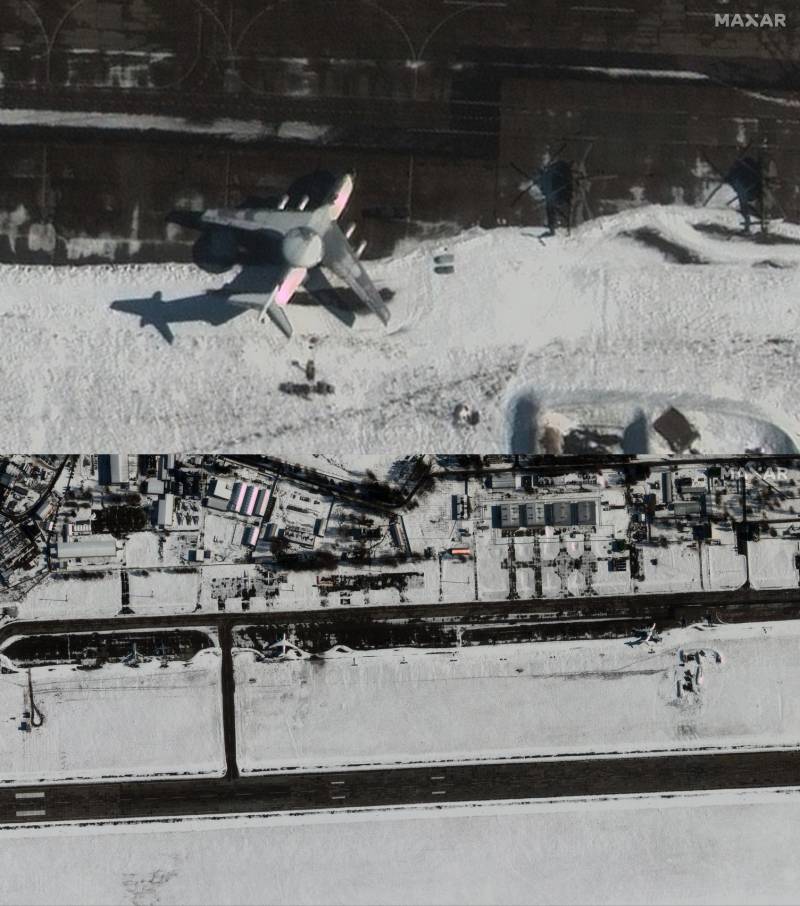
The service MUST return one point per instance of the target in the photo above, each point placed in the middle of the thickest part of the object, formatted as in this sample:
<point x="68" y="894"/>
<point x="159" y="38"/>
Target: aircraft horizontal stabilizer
<point x="284" y="290"/>
<point x="278" y="317"/>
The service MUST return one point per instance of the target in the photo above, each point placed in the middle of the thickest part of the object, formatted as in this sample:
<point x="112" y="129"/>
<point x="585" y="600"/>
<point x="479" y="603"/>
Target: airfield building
<point x="560" y="513"/>
<point x="90" y="549"/>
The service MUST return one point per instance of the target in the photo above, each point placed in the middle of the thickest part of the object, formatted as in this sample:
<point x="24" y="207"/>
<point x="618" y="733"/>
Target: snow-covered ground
<point x="160" y="591"/>
<point x="772" y="562"/>
<point x="522" y="700"/>
<point x="735" y="847"/>
<point x="157" y="590"/>
<point x="597" y="321"/>
<point x="68" y="598"/>
<point x="153" y="592"/>
<point x="114" y="722"/>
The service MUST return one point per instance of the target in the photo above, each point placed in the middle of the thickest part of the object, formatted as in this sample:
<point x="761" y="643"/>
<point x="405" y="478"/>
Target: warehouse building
<point x="97" y="548"/>
<point x="166" y="510"/>
<point x="559" y="513"/>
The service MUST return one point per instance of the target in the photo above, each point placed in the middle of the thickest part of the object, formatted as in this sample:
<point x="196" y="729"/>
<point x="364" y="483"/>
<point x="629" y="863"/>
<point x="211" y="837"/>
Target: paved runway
<point x="437" y="784"/>
<point x="433" y="624"/>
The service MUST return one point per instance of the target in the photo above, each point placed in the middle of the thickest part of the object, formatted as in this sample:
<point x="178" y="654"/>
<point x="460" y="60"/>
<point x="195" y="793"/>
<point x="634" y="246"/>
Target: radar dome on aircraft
<point x="302" y="247"/>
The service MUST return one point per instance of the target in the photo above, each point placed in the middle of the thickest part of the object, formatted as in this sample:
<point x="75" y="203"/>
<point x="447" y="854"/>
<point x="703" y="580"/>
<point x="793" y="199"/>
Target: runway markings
<point x="438" y="777"/>
<point x="338" y="783"/>
<point x="438" y="792"/>
<point x="475" y="3"/>
<point x="31" y="812"/>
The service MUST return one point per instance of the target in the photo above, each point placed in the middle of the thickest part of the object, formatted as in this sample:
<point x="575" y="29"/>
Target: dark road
<point x="736" y="606"/>
<point x="585" y="617"/>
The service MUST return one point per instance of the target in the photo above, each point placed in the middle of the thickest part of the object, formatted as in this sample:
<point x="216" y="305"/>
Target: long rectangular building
<point x="166" y="507"/>
<point x="84" y="550"/>
<point x="560" y="513"/>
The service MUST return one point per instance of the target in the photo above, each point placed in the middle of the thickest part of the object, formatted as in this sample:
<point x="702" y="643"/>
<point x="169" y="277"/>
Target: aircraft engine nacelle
<point x="216" y="250"/>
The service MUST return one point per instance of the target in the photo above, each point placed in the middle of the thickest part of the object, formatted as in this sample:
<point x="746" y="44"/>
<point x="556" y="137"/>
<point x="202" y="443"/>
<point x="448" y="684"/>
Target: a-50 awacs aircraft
<point x="299" y="240"/>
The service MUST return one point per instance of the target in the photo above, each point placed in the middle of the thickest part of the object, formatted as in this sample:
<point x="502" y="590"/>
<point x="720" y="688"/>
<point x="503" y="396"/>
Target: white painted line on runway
<point x="31" y="813"/>
<point x="29" y="795"/>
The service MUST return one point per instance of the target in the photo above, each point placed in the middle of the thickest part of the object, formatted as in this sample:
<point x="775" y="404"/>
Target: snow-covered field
<point x="599" y="321"/>
<point x="153" y="592"/>
<point x="772" y="563"/>
<point x="114" y="722"/>
<point x="67" y="598"/>
<point x="521" y="700"/>
<point x="735" y="847"/>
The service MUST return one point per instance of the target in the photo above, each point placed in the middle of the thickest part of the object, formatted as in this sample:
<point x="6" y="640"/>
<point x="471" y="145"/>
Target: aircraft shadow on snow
<point x="245" y="292"/>
<point x="258" y="254"/>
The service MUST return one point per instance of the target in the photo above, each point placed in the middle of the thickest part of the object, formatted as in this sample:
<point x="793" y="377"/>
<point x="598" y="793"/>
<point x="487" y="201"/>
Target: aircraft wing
<point x="254" y="219"/>
<point x="341" y="259"/>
